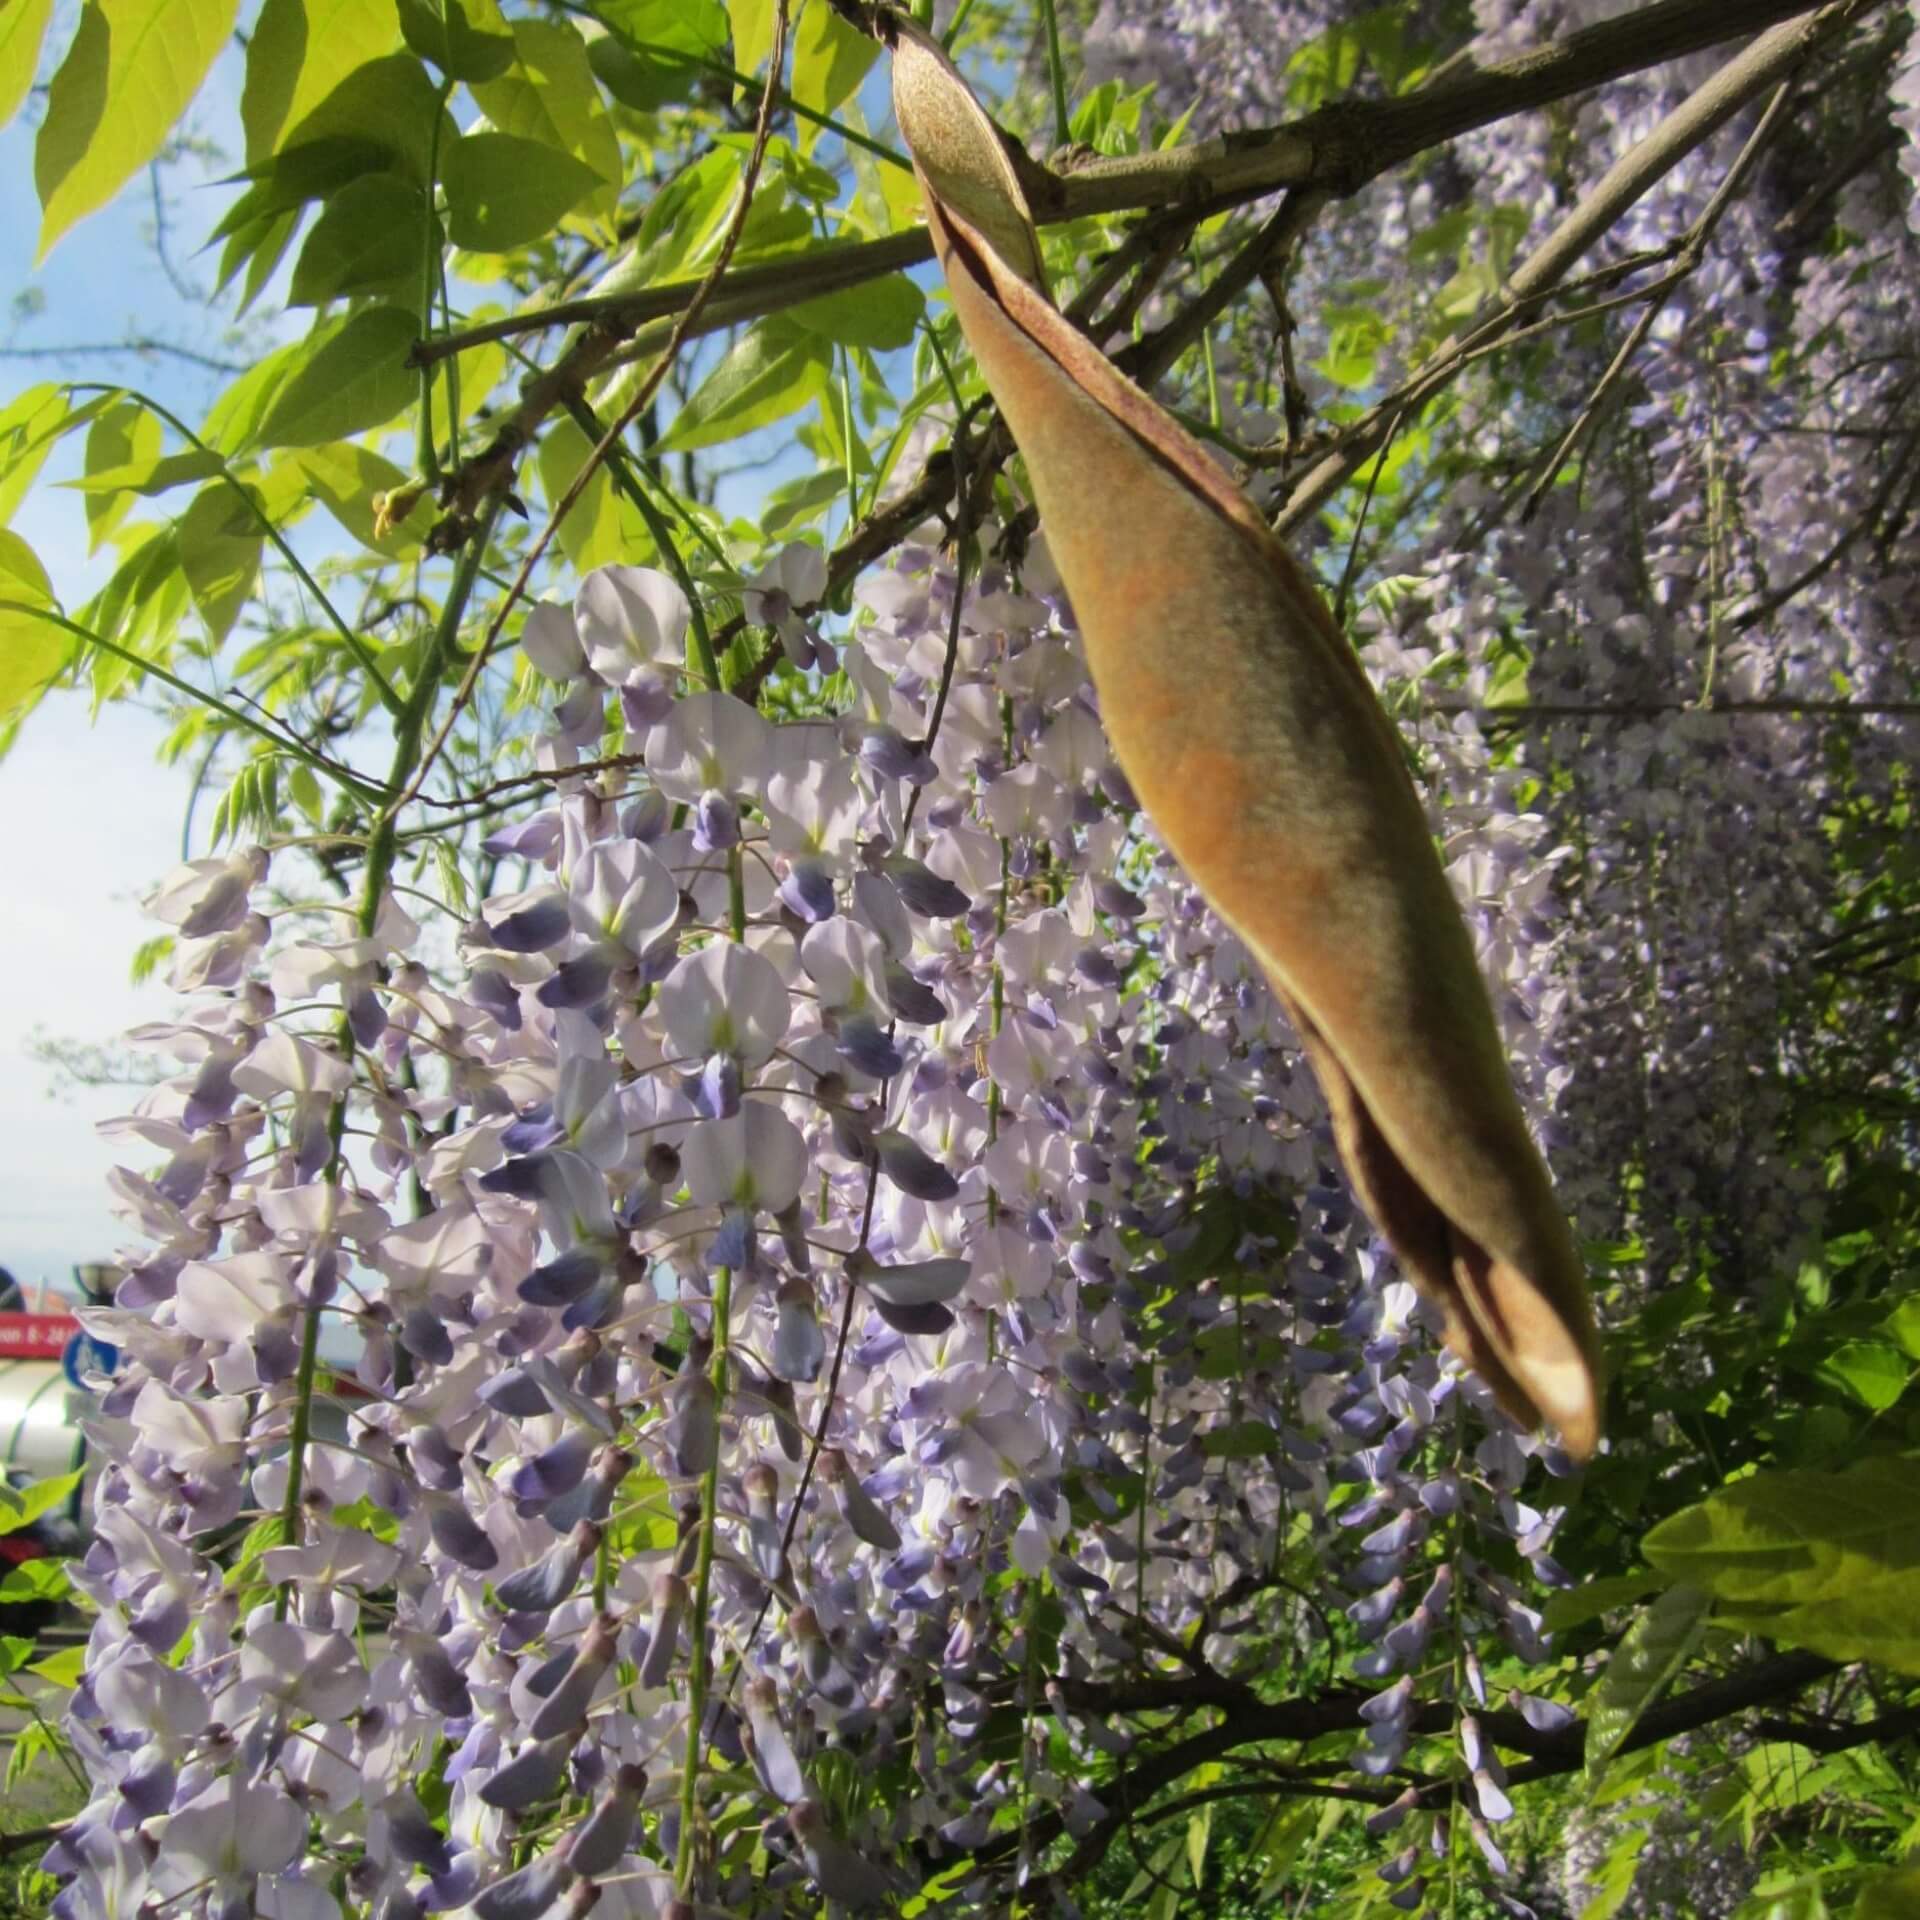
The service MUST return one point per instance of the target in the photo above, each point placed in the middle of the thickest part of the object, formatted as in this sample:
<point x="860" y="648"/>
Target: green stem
<point x="1057" y="74"/>
<point x="284" y="742"/>
<point x="383" y="846"/>
<point x="425" y="457"/>
<point x="353" y="642"/>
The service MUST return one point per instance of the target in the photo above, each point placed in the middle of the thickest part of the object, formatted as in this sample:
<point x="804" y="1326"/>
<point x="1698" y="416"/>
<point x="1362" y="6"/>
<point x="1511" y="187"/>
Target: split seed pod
<point x="1252" y="737"/>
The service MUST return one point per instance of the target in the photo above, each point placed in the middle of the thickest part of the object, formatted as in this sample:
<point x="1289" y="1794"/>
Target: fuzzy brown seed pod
<point x="1247" y="728"/>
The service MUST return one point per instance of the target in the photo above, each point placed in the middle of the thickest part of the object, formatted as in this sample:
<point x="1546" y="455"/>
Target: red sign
<point x="35" y="1336"/>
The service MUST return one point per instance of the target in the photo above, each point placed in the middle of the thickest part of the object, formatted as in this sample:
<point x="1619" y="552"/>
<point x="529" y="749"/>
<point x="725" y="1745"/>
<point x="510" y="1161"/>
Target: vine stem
<point x="383" y="845"/>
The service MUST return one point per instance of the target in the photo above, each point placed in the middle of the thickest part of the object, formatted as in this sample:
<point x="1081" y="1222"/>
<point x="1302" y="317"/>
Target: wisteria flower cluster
<point x="841" y="1266"/>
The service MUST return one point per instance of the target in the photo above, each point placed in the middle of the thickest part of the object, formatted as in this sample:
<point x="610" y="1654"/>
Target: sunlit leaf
<point x="352" y="378"/>
<point x="132" y="69"/>
<point x="466" y="39"/>
<point x="32" y="652"/>
<point x="752" y="22"/>
<point x="881" y="315"/>
<point x="23" y="25"/>
<point x="772" y="370"/>
<point x="1793" y="1538"/>
<point x="390" y="103"/>
<point x="220" y="542"/>
<point x="830" y="59"/>
<point x="503" y="191"/>
<point x="600" y="527"/>
<point x="346" y="477"/>
<point x="636" y="61"/>
<point x="22" y="1507"/>
<point x="301" y="50"/>
<point x="549" y="96"/>
<point x="22" y="577"/>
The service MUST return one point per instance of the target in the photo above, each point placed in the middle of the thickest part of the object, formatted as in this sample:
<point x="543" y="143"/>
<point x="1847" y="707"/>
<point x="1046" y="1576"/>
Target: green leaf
<point x="880" y="316"/>
<point x="122" y="435"/>
<point x="636" y="63"/>
<point x="33" y="651"/>
<point x="1795" y="1538"/>
<point x="347" y="478"/>
<point x="370" y="235"/>
<point x="1875" y="1373"/>
<point x="466" y="39"/>
<point x="1877" y="1619"/>
<point x="289" y="180"/>
<point x="549" y="95"/>
<point x="1785" y="1896"/>
<point x="679" y="222"/>
<point x="1902" y="1327"/>
<point x="43" y="1579"/>
<point x="772" y="370"/>
<point x="1890" y="1896"/>
<point x="30" y="427"/>
<point x="300" y="52"/>
<point x="1650" y="1653"/>
<point x="503" y="191"/>
<point x="150" y="477"/>
<point x="1589" y="1602"/>
<point x="752" y="22"/>
<point x="23" y="1507"/>
<point x="390" y="103"/>
<point x="139" y="608"/>
<point x="1199" y="1831"/>
<point x="23" y="25"/>
<point x="132" y="69"/>
<point x="62" y="1669"/>
<point x="599" y="527"/>
<point x="830" y="59"/>
<point x="234" y="419"/>
<point x="220" y="542"/>
<point x="22" y="577"/>
<point x="353" y="377"/>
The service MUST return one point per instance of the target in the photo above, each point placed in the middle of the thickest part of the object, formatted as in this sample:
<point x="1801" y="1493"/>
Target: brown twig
<point x="1760" y="66"/>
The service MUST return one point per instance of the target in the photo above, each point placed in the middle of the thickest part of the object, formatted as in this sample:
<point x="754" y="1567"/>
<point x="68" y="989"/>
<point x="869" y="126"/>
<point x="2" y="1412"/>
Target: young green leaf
<point x="301" y="50"/>
<point x="549" y="95"/>
<point x="772" y="370"/>
<point x="23" y="25"/>
<point x="466" y="39"/>
<point x="22" y="1508"/>
<point x="220" y="544"/>
<point x="503" y="191"/>
<point x="132" y="69"/>
<point x="369" y="236"/>
<point x="350" y="378"/>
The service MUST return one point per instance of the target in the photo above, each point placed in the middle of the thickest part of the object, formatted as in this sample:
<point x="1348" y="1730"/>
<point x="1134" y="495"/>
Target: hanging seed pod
<point x="1252" y="738"/>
